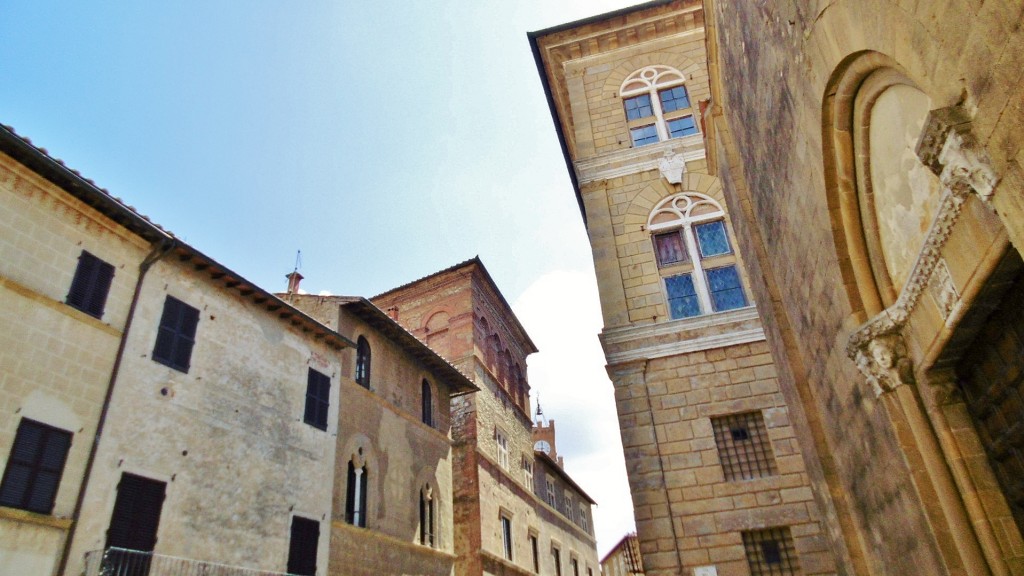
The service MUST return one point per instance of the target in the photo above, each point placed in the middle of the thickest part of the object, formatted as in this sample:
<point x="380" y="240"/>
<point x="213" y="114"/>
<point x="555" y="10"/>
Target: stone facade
<point x="623" y="559"/>
<point x="225" y="414"/>
<point x="697" y="392"/>
<point x="462" y="315"/>
<point x="871" y="154"/>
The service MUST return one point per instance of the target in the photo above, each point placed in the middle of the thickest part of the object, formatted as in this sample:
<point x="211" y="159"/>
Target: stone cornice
<point x="632" y="343"/>
<point x="634" y="160"/>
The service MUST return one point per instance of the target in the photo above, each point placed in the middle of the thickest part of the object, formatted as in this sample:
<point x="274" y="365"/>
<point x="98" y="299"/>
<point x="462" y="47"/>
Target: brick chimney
<point x="293" y="281"/>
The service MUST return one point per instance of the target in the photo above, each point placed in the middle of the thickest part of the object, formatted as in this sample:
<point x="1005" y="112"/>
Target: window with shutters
<point x="743" y="446"/>
<point x="551" y="497"/>
<point x="770" y="552"/>
<point x="136" y="516"/>
<point x="318" y="399"/>
<point x="302" y="547"/>
<point x="355" y="495"/>
<point x="501" y="440"/>
<point x="528" y="473"/>
<point x="91" y="284"/>
<point x="426" y="404"/>
<point x="176" y="335"/>
<point x="34" y="467"/>
<point x="363" y="362"/>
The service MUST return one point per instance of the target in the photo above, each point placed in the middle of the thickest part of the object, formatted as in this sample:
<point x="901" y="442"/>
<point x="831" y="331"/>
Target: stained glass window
<point x="671" y="248"/>
<point x="726" y="290"/>
<point x="712" y="239"/>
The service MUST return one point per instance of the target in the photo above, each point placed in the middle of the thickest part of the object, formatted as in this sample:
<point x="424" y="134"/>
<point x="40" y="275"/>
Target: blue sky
<point x="385" y="140"/>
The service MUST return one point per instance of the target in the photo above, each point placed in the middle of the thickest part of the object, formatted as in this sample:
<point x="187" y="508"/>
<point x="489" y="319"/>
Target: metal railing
<point x="123" y="562"/>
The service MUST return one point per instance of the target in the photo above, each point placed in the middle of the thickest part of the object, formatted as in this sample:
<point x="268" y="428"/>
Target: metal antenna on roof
<point x="298" y="260"/>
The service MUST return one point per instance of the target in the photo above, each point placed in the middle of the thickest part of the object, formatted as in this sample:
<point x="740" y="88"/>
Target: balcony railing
<point x="122" y="562"/>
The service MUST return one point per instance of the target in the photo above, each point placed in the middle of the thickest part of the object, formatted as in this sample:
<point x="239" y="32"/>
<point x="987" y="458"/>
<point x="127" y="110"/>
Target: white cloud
<point x="562" y="314"/>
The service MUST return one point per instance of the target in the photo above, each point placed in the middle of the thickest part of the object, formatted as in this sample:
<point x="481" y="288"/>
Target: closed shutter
<point x="318" y="399"/>
<point x="302" y="548"/>
<point x="176" y="335"/>
<point x="91" y="284"/>
<point x="34" y="467"/>
<point x="136" y="516"/>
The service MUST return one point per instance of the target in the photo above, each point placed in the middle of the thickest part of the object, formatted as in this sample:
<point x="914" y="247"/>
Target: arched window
<point x="427" y="404"/>
<point x="355" y="496"/>
<point x="657" y="105"/>
<point x="363" y="363"/>
<point x="427" y="516"/>
<point x="692" y="246"/>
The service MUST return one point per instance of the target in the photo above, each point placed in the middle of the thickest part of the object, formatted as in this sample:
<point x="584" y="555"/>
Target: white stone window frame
<point x="651" y="80"/>
<point x="682" y="206"/>
<point x="501" y="447"/>
<point x="552" y="496"/>
<point x="528" y="473"/>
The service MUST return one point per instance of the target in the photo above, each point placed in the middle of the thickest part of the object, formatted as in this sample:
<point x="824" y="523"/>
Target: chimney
<point x="293" y="281"/>
<point x="393" y="312"/>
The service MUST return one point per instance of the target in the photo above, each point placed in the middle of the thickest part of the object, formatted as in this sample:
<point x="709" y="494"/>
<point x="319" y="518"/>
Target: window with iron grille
<point x="771" y="552"/>
<point x="302" y="547"/>
<point x="318" y="399"/>
<point x="176" y="335"/>
<point x="91" y="284"/>
<point x="743" y="446"/>
<point x="34" y="467"/>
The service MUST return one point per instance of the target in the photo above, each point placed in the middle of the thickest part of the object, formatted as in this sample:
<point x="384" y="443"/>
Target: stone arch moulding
<point x="678" y="63"/>
<point x="844" y="175"/>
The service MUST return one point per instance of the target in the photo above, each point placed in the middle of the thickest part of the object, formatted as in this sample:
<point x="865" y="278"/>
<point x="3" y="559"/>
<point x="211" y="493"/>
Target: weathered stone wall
<point x="905" y="469"/>
<point x="227" y="437"/>
<point x="56" y="360"/>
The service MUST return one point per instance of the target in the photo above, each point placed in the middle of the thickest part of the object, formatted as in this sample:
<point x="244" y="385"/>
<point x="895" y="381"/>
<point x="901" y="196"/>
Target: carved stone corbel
<point x="884" y="362"/>
<point x="950" y="150"/>
<point x="672" y="167"/>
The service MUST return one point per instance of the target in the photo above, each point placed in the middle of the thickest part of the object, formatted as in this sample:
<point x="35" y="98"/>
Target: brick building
<point x="871" y="153"/>
<point x="719" y="482"/>
<point x="504" y="521"/>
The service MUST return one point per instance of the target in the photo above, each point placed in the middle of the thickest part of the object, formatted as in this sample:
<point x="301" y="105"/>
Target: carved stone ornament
<point x="672" y="167"/>
<point x="884" y="363"/>
<point x="949" y="148"/>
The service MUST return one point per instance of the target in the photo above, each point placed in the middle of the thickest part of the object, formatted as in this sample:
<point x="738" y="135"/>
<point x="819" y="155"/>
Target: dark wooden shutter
<point x="91" y="284"/>
<point x="318" y="399"/>
<point x="302" y="548"/>
<point x="136" y="516"/>
<point x="176" y="335"/>
<point x="35" y="467"/>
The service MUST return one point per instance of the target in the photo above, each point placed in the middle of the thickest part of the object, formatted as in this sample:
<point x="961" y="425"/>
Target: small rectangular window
<point x="502" y="443"/>
<point x="712" y="239"/>
<point x="670" y="248"/>
<point x="726" y="289"/>
<point x="91" y="284"/>
<point x="176" y="335"/>
<point x="770" y="552"/>
<point x="551" y="493"/>
<point x="556" y="555"/>
<point x="527" y="474"/>
<point x="679" y="127"/>
<point x="644" y="135"/>
<point x="575" y="564"/>
<point x="318" y="399"/>
<point x="682" y="296"/>
<point x="584" y="523"/>
<point x="506" y="536"/>
<point x="743" y="446"/>
<point x="34" y="467"/>
<point x="638" y="107"/>
<point x="536" y="553"/>
<point x="673" y="99"/>
<point x="302" y="547"/>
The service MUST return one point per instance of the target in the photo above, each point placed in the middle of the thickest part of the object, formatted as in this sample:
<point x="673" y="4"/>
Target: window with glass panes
<point x="657" y="105"/>
<point x="695" y="256"/>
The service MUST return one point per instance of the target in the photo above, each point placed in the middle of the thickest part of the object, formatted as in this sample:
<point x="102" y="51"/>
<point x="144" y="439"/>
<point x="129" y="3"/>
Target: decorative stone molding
<point x="644" y="342"/>
<point x="635" y="160"/>
<point x="894" y="317"/>
<point x="949" y="148"/>
<point x="943" y="289"/>
<point x="672" y="167"/>
<point x="883" y="361"/>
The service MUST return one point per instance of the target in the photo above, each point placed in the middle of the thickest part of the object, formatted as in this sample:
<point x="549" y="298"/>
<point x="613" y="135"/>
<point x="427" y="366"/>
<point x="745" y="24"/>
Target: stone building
<point x="720" y="484"/>
<point x="871" y="153"/>
<point x="393" y="504"/>
<point x="503" y="523"/>
<point x="623" y="559"/>
<point x="152" y="400"/>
